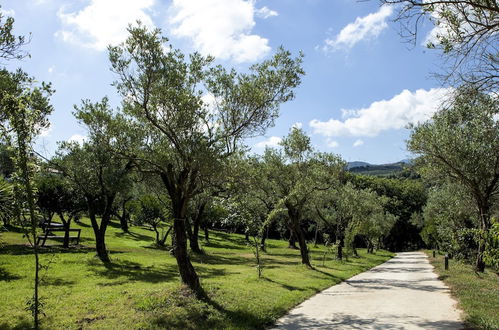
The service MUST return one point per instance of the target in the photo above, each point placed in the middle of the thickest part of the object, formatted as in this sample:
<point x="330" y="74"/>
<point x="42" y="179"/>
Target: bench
<point x="52" y="227"/>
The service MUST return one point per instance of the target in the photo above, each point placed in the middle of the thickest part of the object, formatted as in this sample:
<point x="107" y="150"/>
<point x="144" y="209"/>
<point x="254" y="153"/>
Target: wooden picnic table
<point x="51" y="227"/>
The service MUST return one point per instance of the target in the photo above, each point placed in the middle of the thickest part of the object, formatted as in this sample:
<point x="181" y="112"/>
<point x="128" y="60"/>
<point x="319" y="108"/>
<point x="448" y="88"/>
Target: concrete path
<point x="402" y="293"/>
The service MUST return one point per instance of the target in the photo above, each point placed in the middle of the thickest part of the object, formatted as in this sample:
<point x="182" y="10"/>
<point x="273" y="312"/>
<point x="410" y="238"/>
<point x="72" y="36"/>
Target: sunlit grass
<point x="477" y="293"/>
<point x="141" y="287"/>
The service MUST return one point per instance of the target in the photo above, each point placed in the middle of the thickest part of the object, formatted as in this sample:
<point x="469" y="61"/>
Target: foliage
<point x="150" y="210"/>
<point x="297" y="176"/>
<point x="406" y="197"/>
<point x="25" y="107"/>
<point x="181" y="137"/>
<point x="6" y="201"/>
<point x="491" y="254"/>
<point x="460" y="144"/>
<point x="6" y="163"/>
<point x="10" y="44"/>
<point x="96" y="173"/>
<point x="448" y="214"/>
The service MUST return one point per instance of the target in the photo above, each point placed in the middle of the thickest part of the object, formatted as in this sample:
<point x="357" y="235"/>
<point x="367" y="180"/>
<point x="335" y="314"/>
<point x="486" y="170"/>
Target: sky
<point x="363" y="85"/>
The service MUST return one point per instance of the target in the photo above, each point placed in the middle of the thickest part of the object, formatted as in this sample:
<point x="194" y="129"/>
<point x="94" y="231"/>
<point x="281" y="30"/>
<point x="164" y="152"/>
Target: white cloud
<point x="404" y="108"/>
<point x="358" y="143"/>
<point x="221" y="28"/>
<point x="51" y="69"/>
<point x="297" y="125"/>
<point x="265" y="12"/>
<point x="78" y="138"/>
<point x="102" y="22"/>
<point x="271" y="142"/>
<point x="7" y="12"/>
<point x="364" y="28"/>
<point x="332" y="143"/>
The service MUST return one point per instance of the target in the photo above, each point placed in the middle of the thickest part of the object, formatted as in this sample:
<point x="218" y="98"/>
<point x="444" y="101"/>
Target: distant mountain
<point x="378" y="170"/>
<point x="356" y="164"/>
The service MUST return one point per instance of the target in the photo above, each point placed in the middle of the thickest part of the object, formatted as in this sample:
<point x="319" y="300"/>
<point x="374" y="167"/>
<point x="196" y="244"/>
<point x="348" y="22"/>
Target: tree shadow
<point x="134" y="236"/>
<point x="325" y="273"/>
<point x="349" y="321"/>
<point x="133" y="271"/>
<point x="217" y="259"/>
<point x="82" y="224"/>
<point x="7" y="276"/>
<point x="57" y="282"/>
<point x="21" y="324"/>
<point x="206" y="272"/>
<point x="16" y="249"/>
<point x="220" y="245"/>
<point x="285" y="286"/>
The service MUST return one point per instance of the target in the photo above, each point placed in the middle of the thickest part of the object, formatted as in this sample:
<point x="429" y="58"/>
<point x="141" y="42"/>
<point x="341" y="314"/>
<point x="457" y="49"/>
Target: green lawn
<point x="140" y="288"/>
<point x="478" y="294"/>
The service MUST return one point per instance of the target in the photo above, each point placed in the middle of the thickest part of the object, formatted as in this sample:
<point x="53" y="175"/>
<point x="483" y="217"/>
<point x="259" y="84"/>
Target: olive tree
<point x="461" y="143"/>
<point x="98" y="174"/>
<point x="185" y="138"/>
<point x="448" y="214"/>
<point x="297" y="175"/>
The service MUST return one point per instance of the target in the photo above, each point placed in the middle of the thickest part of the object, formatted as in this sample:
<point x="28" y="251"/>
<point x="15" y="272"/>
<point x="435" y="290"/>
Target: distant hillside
<point x="356" y="164"/>
<point x="378" y="170"/>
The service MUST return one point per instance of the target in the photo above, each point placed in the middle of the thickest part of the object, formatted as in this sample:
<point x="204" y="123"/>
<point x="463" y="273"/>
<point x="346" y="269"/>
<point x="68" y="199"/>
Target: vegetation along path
<point x="402" y="293"/>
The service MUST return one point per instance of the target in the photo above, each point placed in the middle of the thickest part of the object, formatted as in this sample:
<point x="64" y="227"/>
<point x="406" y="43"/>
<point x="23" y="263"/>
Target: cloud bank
<point x="102" y="22"/>
<point x="221" y="28"/>
<point x="396" y="113"/>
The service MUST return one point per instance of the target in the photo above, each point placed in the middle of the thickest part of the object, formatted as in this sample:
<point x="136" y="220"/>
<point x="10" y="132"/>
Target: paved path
<point x="402" y="293"/>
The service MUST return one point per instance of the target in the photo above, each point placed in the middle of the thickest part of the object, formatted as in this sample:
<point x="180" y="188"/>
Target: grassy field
<point x="140" y="288"/>
<point x="478" y="294"/>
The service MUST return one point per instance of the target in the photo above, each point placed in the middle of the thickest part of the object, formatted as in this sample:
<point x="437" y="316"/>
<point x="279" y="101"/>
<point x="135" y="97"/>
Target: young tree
<point x="461" y="143"/>
<point x="466" y="31"/>
<point x="24" y="109"/>
<point x="183" y="138"/>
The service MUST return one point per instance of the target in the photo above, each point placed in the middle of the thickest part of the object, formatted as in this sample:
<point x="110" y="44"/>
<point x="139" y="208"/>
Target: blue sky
<point x="363" y="84"/>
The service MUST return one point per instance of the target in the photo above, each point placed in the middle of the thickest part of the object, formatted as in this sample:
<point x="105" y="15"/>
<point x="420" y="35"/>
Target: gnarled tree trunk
<point x="100" y="231"/>
<point x="177" y="191"/>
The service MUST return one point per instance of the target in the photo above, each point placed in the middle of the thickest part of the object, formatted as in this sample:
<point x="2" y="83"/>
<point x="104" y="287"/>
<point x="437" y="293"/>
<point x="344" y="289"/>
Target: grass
<point x="477" y="293"/>
<point x="140" y="288"/>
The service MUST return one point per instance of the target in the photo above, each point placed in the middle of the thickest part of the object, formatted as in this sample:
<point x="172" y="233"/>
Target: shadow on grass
<point x="133" y="271"/>
<point x="217" y="259"/>
<point x="83" y="224"/>
<point x="27" y="250"/>
<point x="57" y="282"/>
<point x="7" y="277"/>
<point x="325" y="273"/>
<point x="134" y="236"/>
<point x="21" y="324"/>
<point x="285" y="286"/>
<point x="179" y="308"/>
<point x="221" y="245"/>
